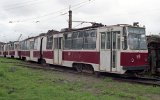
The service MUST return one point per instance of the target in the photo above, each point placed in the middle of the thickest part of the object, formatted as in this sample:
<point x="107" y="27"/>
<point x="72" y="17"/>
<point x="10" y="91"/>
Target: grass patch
<point x="20" y="83"/>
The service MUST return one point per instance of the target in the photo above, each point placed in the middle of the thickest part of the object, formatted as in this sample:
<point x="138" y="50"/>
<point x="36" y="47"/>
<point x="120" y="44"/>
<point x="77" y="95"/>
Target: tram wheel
<point x="78" y="67"/>
<point x="88" y="68"/>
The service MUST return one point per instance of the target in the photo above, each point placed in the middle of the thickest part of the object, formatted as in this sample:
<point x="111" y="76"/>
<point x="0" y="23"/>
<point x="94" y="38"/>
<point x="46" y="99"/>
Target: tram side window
<point x="49" y="42"/>
<point x="90" y="40"/>
<point x="118" y="42"/>
<point x="16" y="46"/>
<point x="55" y="43"/>
<point x="11" y="46"/>
<point x="124" y="42"/>
<point x="2" y="48"/>
<point x="27" y="45"/>
<point x="31" y="45"/>
<point x="21" y="46"/>
<point x="114" y="40"/>
<point x="58" y="43"/>
<point x="67" y="41"/>
<point x="24" y="45"/>
<point x="103" y="37"/>
<point x="7" y="47"/>
<point x="108" y="40"/>
<point x="77" y="40"/>
<point x="80" y="40"/>
<point x="35" y="44"/>
<point x="74" y="40"/>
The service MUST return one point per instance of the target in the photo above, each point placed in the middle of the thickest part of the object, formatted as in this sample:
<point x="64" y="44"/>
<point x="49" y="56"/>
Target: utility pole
<point x="70" y="19"/>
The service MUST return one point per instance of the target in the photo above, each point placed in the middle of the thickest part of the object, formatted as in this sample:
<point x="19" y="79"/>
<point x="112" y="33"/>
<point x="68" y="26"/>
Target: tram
<point x="116" y="49"/>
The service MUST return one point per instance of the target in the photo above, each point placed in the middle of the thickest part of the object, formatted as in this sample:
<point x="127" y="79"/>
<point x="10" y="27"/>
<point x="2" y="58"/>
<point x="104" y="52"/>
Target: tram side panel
<point x="47" y="49"/>
<point x="110" y="48"/>
<point x="1" y="50"/>
<point x="134" y="60"/>
<point x="16" y="49"/>
<point x="36" y="49"/>
<point x="30" y="49"/>
<point x="11" y="49"/>
<point x="24" y="51"/>
<point x="80" y="49"/>
<point x="135" y="55"/>
<point x="6" y="53"/>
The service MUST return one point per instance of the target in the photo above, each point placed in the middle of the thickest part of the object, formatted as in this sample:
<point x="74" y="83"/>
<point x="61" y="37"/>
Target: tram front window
<point x="137" y="39"/>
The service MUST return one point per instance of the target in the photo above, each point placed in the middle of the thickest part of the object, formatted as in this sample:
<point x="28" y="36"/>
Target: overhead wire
<point x="66" y="12"/>
<point x="20" y="3"/>
<point x="76" y="6"/>
<point x="82" y="5"/>
<point x="21" y="6"/>
<point x="65" y="8"/>
<point x="59" y="11"/>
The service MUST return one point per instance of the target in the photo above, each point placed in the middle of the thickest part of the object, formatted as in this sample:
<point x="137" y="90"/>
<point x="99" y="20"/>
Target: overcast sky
<point x="31" y="17"/>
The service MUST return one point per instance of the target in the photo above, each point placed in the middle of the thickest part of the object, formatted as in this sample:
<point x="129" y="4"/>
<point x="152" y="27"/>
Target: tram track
<point x="146" y="81"/>
<point x="139" y="80"/>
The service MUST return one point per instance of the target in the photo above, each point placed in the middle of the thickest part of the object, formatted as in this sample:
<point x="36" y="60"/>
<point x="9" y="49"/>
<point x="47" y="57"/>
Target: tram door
<point x="110" y="46"/>
<point x="58" y="50"/>
<point x="31" y="49"/>
<point x="16" y="50"/>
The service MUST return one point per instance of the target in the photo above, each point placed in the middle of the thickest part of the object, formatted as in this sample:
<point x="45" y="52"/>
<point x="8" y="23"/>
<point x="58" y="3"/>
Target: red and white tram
<point x="114" y="49"/>
<point x="30" y="48"/>
<point x="1" y="49"/>
<point x="10" y="49"/>
<point x="16" y="49"/>
<point x="6" y="50"/>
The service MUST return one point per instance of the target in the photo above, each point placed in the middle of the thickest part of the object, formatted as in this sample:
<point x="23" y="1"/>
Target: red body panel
<point x="36" y="54"/>
<point x="48" y="54"/>
<point x="25" y="53"/>
<point x="79" y="56"/>
<point x="12" y="53"/>
<point x="19" y="53"/>
<point x="5" y="53"/>
<point x="130" y="59"/>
